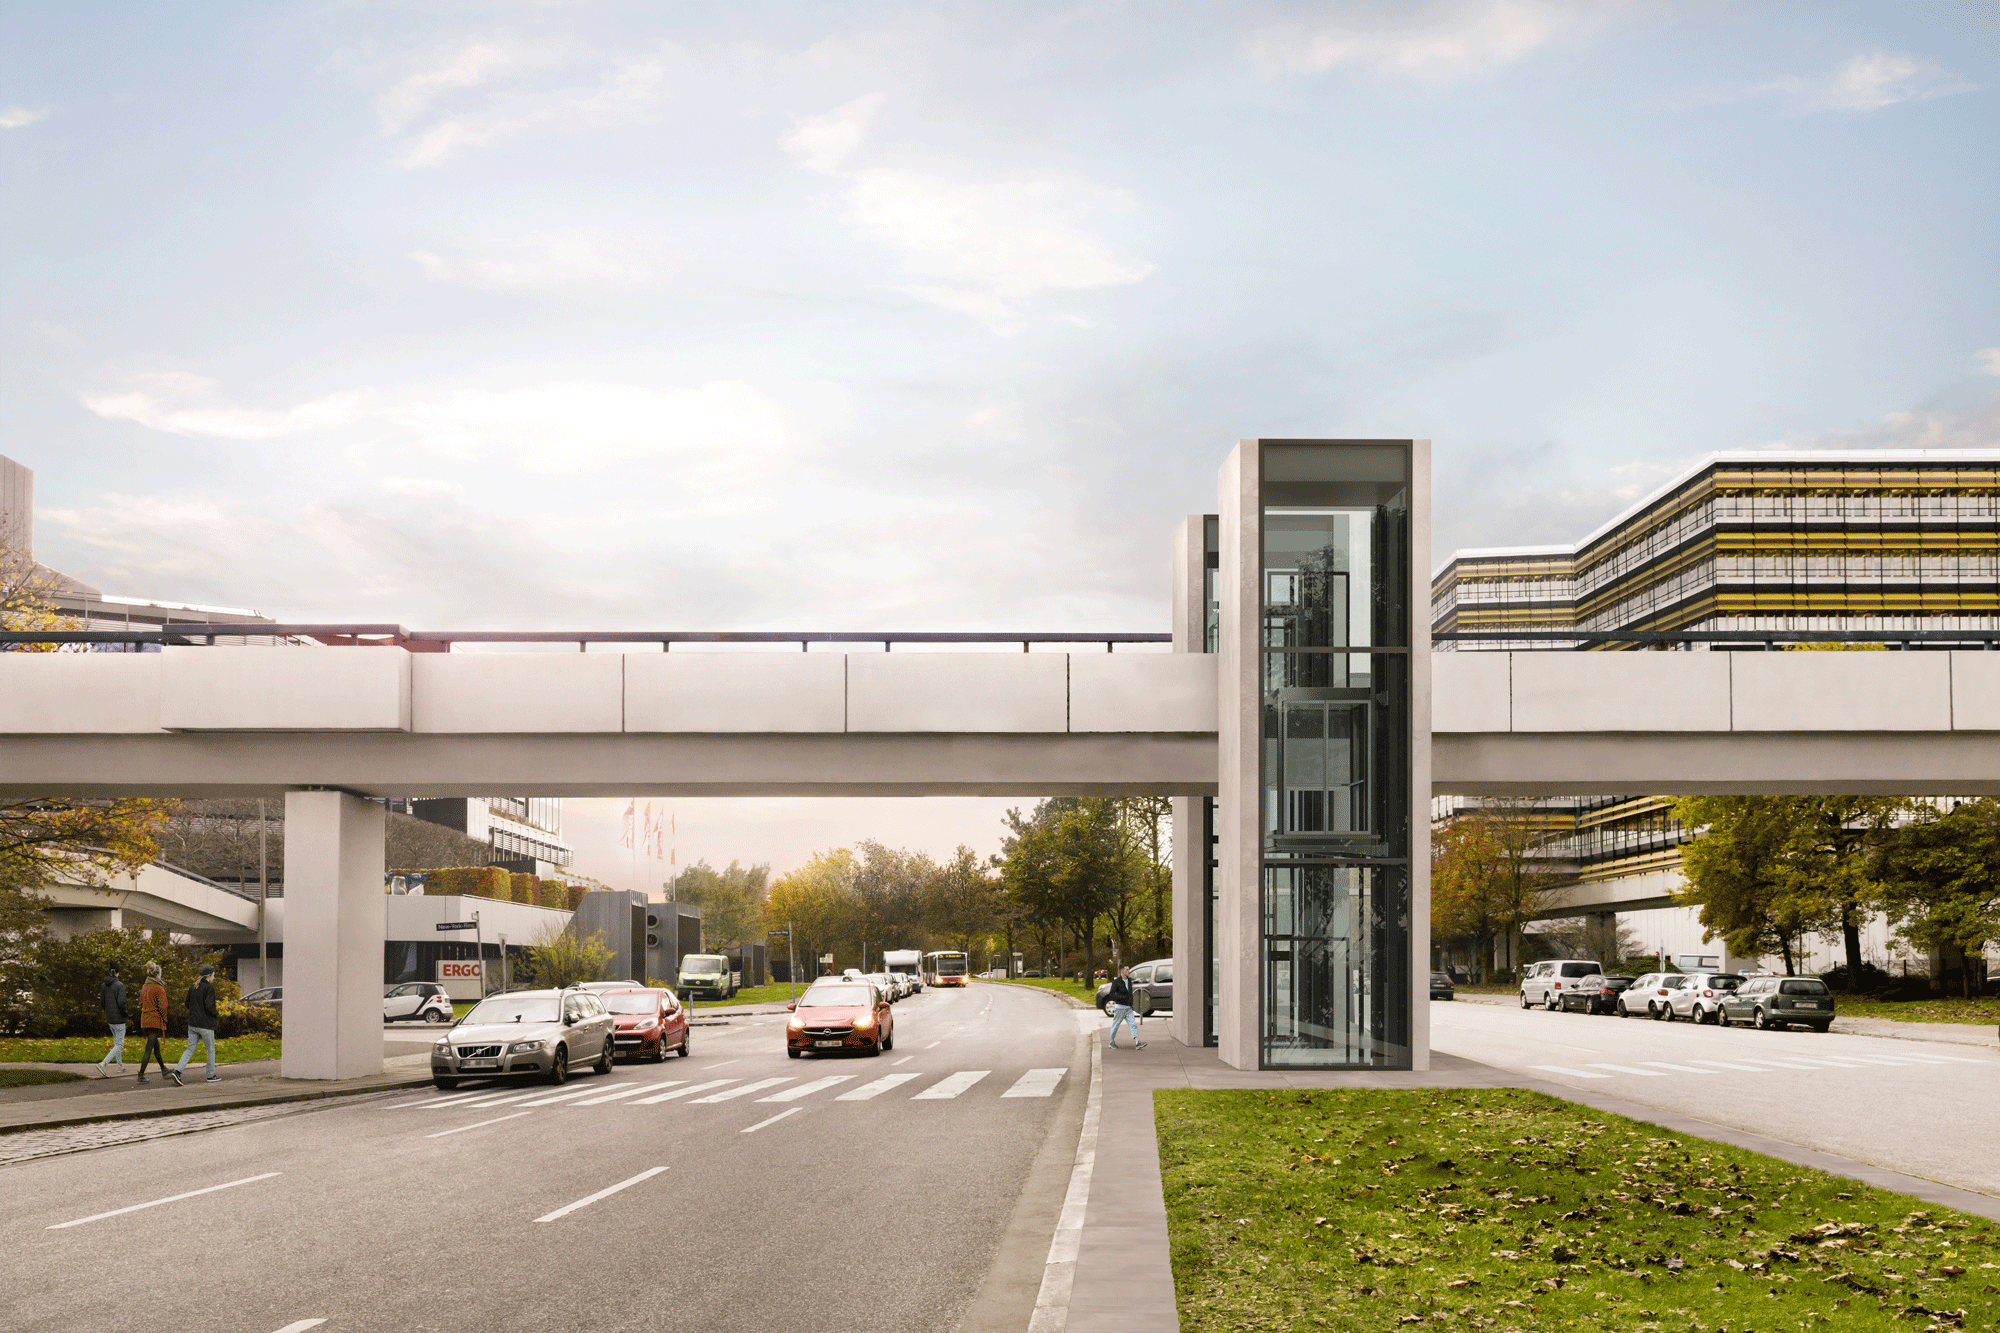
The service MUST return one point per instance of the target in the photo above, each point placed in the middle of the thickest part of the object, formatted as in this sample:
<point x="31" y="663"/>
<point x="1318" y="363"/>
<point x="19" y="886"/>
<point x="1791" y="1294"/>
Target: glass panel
<point x="1336" y="959"/>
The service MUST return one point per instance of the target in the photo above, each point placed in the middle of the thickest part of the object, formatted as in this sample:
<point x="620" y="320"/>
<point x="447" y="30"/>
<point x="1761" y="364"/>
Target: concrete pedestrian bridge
<point x="381" y="721"/>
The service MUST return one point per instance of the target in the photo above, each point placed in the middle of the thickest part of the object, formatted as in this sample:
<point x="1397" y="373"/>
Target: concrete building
<point x="525" y="832"/>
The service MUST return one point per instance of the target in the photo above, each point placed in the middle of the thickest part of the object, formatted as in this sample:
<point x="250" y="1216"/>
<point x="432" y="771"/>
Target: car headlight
<point x="521" y="1046"/>
<point x="865" y="1021"/>
<point x="649" y="1028"/>
<point x="443" y="1047"/>
<point x="797" y="1024"/>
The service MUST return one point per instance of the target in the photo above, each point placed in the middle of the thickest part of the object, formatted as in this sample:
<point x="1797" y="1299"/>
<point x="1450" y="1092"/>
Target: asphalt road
<point x="1925" y="1109"/>
<point x="817" y="1198"/>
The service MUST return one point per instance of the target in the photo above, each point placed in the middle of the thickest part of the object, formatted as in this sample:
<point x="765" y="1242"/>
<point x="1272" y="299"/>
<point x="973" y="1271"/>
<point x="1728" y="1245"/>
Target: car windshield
<point x="514" y="1009"/>
<point x="1439" y="976"/>
<point x="631" y="1002"/>
<point x="951" y="967"/>
<point x="702" y="967"/>
<point x="1802" y="988"/>
<point x="823" y="997"/>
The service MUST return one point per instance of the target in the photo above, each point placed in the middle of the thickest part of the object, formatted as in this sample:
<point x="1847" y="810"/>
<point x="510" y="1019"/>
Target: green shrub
<point x="469" y="882"/>
<point x="527" y="888"/>
<point x="68" y="975"/>
<point x="249" y="1020"/>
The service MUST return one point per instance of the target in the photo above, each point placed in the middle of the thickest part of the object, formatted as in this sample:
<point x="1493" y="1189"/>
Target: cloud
<point x="1438" y="42"/>
<point x="627" y="92"/>
<point x="16" y="117"/>
<point x="720" y="435"/>
<point x="420" y="486"/>
<point x="1988" y="359"/>
<point x="570" y="258"/>
<point x="466" y="67"/>
<point x="986" y="247"/>
<point x="1866" y="82"/>
<point x="184" y="404"/>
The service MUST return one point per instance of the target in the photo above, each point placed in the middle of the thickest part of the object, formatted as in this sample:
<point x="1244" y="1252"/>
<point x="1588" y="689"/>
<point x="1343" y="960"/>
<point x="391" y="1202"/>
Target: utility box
<point x="619" y="916"/>
<point x="748" y="962"/>
<point x="672" y="929"/>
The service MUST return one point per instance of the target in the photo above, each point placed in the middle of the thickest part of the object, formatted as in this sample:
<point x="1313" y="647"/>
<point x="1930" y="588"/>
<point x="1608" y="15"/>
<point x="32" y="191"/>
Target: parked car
<point x="601" y="986"/>
<point x="1152" y="988"/>
<point x="273" y="996"/>
<point x="1777" y="1002"/>
<point x="526" y="1034"/>
<point x="1700" y="996"/>
<point x="419" y="1001"/>
<point x="837" y="1016"/>
<point x="1441" y="987"/>
<point x="1543" y="983"/>
<point x="651" y="1022"/>
<point x="1649" y="994"/>
<point x="1595" y="995"/>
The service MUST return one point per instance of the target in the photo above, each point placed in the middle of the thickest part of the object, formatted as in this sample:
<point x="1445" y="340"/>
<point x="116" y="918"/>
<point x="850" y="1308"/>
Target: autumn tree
<point x="561" y="957"/>
<point x="1491" y="874"/>
<point x="1741" y="872"/>
<point x="817" y="902"/>
<point x="731" y="901"/>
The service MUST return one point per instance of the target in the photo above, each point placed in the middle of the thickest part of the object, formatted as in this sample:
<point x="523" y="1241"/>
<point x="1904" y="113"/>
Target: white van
<point x="1543" y="983"/>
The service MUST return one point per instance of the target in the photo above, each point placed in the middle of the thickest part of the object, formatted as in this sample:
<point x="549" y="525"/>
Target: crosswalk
<point x="1747" y="1065"/>
<point x="714" y="1091"/>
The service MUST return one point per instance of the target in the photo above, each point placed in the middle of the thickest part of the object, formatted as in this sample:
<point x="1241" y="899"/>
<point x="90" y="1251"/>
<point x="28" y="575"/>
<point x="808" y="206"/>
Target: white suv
<point x="1544" y="983"/>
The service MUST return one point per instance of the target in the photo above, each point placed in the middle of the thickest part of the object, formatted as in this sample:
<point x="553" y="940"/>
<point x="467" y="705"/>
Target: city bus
<point x="945" y="968"/>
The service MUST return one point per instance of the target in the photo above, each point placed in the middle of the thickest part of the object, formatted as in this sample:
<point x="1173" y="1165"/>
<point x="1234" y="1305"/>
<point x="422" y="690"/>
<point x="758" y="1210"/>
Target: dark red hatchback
<point x="652" y="1024"/>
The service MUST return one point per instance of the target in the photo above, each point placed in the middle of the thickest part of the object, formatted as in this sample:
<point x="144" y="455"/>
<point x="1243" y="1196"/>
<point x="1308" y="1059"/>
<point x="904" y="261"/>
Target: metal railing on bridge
<point x="438" y="641"/>
<point x="1764" y="640"/>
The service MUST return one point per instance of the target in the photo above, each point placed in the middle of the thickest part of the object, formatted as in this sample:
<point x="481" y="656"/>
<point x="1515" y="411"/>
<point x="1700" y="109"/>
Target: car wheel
<point x="559" y="1066"/>
<point x="890" y="1043"/>
<point x="1652" y="1011"/>
<point x="445" y="1084"/>
<point x="1722" y="1017"/>
<point x="608" y="1056"/>
<point x="792" y="1053"/>
<point x="1821" y="1028"/>
<point x="1697" y="1016"/>
<point x="1524" y="1000"/>
<point x="1553" y="1002"/>
<point x="1757" y="1020"/>
<point x="687" y="1035"/>
<point x="876" y="1049"/>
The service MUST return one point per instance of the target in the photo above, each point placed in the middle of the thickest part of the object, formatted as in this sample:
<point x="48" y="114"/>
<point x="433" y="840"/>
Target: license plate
<point x="1810" y="1004"/>
<point x="478" y="1064"/>
<point x="829" y="1043"/>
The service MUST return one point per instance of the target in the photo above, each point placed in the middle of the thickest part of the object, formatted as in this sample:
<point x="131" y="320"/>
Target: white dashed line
<point x="681" y="1092"/>
<point x="1562" y="1069"/>
<point x="626" y="1092"/>
<point x="807" y="1089"/>
<point x="870" y="1091"/>
<point x="946" y="1089"/>
<point x="773" y="1120"/>
<point x="1627" y="1069"/>
<point x="733" y="1093"/>
<point x="1678" y="1069"/>
<point x="479" y="1125"/>
<point x="586" y="1201"/>
<point x="155" y="1203"/>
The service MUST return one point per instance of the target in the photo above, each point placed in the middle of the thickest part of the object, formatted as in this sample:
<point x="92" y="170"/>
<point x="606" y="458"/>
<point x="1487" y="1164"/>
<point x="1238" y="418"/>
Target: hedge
<point x="65" y="977"/>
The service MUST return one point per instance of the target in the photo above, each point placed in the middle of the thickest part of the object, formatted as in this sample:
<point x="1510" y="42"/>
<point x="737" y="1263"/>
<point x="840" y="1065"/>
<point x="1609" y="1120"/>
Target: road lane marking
<point x="1724" y="1064"/>
<point x="480" y="1125"/>
<point x="806" y="1089"/>
<point x="1775" y="1064"/>
<point x="500" y="1099"/>
<point x="681" y="1092"/>
<point x="626" y="1092"/>
<point x="589" y="1199"/>
<point x="301" y="1326"/>
<point x="773" y="1120"/>
<point x="1943" y="1059"/>
<point x="172" y="1198"/>
<point x="869" y="1091"/>
<point x="1877" y="1060"/>
<point x="905" y="1060"/>
<point x="438" y="1101"/>
<point x="945" y="1089"/>
<point x="1627" y="1069"/>
<point x="1573" y="1073"/>
<point x="1831" y="1064"/>
<point x="732" y="1094"/>
<point x="562" y="1097"/>
<point x="719" y="1064"/>
<point x="934" y="1045"/>
<point x="1678" y="1069"/>
<point x="1036" y="1083"/>
<point x="1059" y="1270"/>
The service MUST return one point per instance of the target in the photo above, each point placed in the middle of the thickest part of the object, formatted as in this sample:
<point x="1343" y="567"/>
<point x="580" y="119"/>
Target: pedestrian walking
<point x="1120" y="999"/>
<point x="112" y="996"/>
<point x="201" y="1024"/>
<point x="152" y="1020"/>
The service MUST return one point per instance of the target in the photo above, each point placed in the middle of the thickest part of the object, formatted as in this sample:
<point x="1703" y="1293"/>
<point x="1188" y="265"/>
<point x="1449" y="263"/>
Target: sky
<point x="783" y="315"/>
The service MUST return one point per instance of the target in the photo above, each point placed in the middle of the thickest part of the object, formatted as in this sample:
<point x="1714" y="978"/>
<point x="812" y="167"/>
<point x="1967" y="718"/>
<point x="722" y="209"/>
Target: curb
<point x="1063" y="996"/>
<point x="1059" y="1273"/>
<point x="238" y="1104"/>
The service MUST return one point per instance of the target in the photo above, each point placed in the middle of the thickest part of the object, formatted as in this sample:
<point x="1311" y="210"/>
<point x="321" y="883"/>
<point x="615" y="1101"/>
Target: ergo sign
<point x="467" y="970"/>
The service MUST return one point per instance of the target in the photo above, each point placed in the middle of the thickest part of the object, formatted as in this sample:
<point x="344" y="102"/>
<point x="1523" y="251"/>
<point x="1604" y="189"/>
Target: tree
<point x="1939" y="879"/>
<point x="1070" y="863"/>
<point x="817" y="902"/>
<point x="961" y="904"/>
<point x="1829" y="860"/>
<point x="731" y="901"/>
<point x="1742" y="872"/>
<point x="1490" y="875"/>
<point x="561" y="957"/>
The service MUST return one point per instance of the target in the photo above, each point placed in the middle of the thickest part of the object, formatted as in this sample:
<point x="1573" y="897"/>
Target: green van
<point x="1779" y="1002"/>
<point x="706" y="976"/>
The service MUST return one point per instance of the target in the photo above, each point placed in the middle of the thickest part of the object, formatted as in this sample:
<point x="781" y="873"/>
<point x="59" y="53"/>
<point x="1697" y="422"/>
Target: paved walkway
<point x="1124" y="1279"/>
<point x="254" y="1083"/>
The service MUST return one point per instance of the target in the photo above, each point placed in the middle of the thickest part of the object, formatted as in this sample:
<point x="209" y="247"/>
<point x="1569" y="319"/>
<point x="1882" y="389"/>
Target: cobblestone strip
<point x="31" y="1144"/>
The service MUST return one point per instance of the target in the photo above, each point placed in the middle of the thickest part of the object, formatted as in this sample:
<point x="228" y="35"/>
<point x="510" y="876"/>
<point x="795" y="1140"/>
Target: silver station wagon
<point x="526" y="1034"/>
<point x="1780" y="1002"/>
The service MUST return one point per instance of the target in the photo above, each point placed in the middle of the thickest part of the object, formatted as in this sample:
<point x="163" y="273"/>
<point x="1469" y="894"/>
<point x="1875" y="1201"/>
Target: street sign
<point x="458" y="925"/>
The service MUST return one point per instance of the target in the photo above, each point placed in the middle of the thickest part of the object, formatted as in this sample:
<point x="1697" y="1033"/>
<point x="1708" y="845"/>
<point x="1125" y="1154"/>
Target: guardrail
<point x="1765" y="639"/>
<point x="441" y="640"/>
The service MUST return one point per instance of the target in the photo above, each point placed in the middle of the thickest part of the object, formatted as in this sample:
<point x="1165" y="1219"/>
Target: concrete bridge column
<point x="335" y="919"/>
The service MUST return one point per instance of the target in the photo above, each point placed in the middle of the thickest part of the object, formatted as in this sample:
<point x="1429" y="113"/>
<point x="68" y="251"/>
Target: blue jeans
<point x="1122" y="1013"/>
<point x="206" y="1036"/>
<point x="117" y="1052"/>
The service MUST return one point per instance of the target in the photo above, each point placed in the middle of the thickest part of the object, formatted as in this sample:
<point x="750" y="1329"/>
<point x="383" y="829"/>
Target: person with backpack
<point x="202" y="1022"/>
<point x="152" y="1020"/>
<point x="111" y="995"/>
<point x="1120" y="1000"/>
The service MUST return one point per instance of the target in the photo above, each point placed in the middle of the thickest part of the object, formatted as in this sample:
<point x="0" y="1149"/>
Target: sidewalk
<point x="1124" y="1279"/>
<point x="254" y="1083"/>
<point x="1957" y="1034"/>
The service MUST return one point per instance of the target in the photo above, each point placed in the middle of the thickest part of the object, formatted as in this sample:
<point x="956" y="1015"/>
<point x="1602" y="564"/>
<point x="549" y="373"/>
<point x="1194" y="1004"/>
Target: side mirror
<point x="793" y="1006"/>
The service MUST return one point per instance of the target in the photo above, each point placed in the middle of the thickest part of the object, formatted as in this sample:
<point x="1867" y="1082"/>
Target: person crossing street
<point x="1120" y="999"/>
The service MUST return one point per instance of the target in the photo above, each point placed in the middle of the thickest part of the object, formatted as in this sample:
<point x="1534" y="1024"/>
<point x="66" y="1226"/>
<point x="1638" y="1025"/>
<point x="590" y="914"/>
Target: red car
<point x="651" y="1023"/>
<point x="835" y="1016"/>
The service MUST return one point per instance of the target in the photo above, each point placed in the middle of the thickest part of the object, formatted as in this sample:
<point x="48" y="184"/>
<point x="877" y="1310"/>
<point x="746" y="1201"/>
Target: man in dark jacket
<point x="1120" y="1000"/>
<point x="202" y="1022"/>
<point x="112" y="996"/>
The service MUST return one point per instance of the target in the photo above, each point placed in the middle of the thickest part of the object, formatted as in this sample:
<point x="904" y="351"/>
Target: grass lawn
<point x="1985" y="1010"/>
<point x="28" y="1078"/>
<point x="1490" y="988"/>
<point x="89" y="1050"/>
<point x="776" y="993"/>
<point x="1507" y="1210"/>
<point x="1085" y="991"/>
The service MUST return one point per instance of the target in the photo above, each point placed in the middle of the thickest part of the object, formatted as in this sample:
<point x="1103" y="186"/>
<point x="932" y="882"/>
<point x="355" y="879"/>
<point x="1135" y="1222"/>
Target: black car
<point x="1595" y="994"/>
<point x="1441" y="987"/>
